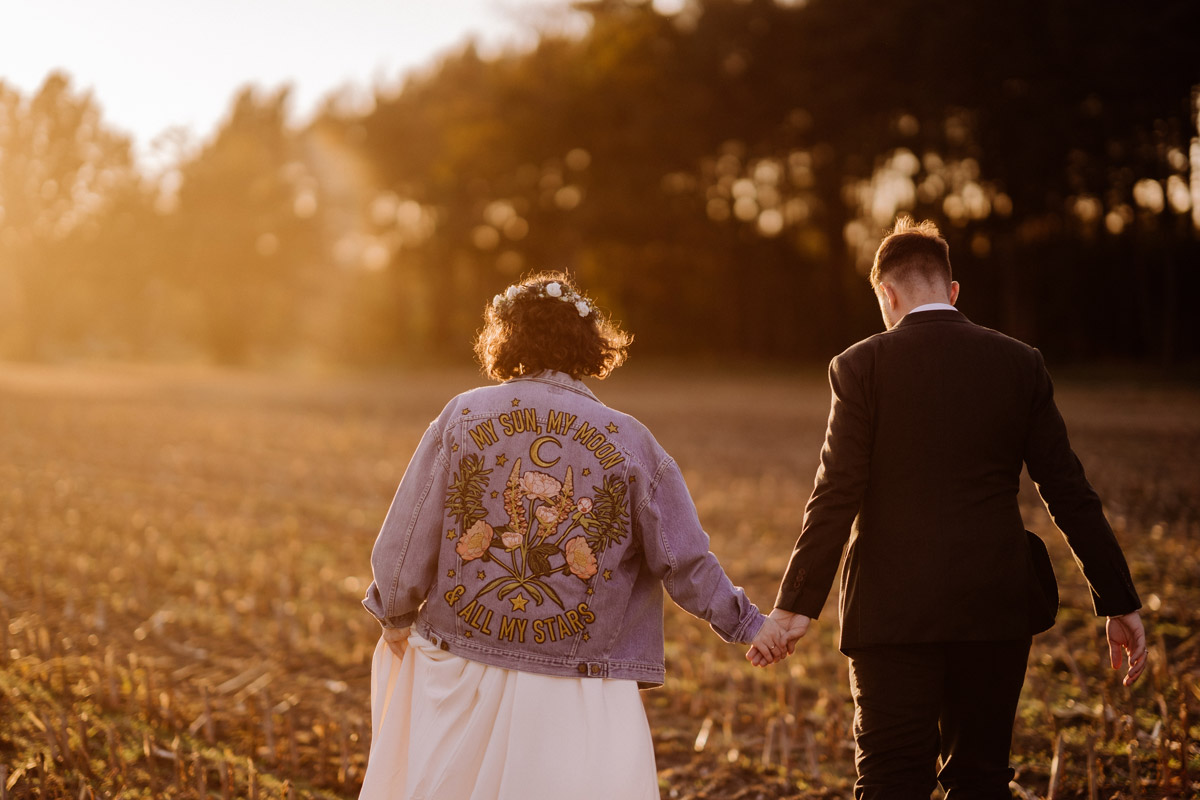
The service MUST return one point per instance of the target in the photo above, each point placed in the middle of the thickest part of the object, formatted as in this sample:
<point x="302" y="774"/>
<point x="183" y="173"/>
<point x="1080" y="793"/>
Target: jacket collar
<point x="560" y="379"/>
<point x="937" y="315"/>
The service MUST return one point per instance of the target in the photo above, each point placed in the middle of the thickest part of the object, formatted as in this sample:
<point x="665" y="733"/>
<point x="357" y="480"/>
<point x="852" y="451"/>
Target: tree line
<point x="718" y="178"/>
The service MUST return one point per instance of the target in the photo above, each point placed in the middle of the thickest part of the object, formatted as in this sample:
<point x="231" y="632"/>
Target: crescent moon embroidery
<point x="535" y="451"/>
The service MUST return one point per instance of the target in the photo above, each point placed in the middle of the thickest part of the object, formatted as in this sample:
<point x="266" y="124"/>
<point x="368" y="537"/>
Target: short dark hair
<point x="912" y="249"/>
<point x="529" y="331"/>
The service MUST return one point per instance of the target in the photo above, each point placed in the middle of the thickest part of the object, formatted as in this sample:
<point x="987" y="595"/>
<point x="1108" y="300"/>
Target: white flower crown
<point x="554" y="289"/>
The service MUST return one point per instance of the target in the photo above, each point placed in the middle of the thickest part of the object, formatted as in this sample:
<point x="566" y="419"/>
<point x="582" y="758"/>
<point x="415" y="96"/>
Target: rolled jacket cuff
<point x="404" y="621"/>
<point x="750" y="628"/>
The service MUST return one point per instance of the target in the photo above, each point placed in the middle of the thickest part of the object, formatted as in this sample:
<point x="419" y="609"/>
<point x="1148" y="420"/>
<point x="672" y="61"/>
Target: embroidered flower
<point x="511" y="539"/>
<point x="580" y="558"/>
<point x="540" y="485"/>
<point x="554" y="289"/>
<point x="548" y="516"/>
<point x="583" y="308"/>
<point x="585" y="504"/>
<point x="475" y="541"/>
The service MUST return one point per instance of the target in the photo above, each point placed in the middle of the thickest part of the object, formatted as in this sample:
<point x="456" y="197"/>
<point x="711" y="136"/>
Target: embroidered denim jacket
<point x="535" y="529"/>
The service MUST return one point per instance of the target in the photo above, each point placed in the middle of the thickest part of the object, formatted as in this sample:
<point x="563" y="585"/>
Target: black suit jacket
<point x="929" y="427"/>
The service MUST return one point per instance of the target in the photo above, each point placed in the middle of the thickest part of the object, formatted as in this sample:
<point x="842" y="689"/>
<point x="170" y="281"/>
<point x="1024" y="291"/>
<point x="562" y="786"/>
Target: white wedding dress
<point x="447" y="728"/>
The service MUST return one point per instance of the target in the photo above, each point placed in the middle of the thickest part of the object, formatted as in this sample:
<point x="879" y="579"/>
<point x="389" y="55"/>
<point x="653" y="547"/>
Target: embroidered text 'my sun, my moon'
<point x="558" y="424"/>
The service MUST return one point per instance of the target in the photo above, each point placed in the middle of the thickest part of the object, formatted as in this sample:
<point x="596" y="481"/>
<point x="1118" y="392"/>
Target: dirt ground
<point x="183" y="552"/>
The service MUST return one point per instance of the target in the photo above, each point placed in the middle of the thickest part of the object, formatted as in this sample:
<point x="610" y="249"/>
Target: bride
<point x="519" y="576"/>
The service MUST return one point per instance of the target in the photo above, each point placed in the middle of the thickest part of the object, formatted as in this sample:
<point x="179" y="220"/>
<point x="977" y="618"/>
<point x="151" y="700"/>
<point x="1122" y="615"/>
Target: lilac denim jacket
<point x="535" y="528"/>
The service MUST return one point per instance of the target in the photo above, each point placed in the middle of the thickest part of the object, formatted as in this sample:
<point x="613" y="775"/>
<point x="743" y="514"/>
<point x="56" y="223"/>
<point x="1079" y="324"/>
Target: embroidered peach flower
<point x="540" y="485"/>
<point x="511" y="539"/>
<point x="580" y="558"/>
<point x="585" y="504"/>
<point x="475" y="541"/>
<point x="548" y="516"/>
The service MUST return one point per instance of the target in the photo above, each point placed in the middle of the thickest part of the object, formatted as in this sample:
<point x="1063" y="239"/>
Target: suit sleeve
<point x="1074" y="505"/>
<point x="838" y="492"/>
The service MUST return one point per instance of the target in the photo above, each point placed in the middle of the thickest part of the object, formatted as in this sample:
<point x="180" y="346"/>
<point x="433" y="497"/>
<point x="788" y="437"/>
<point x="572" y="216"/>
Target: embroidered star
<point x="450" y="533"/>
<point x="501" y="460"/>
<point x="587" y="471"/>
<point x="516" y="402"/>
<point x="455" y="447"/>
<point x="611" y="428"/>
<point x="608" y="574"/>
<point x="633" y="478"/>
<point x="466" y="411"/>
<point x="586" y="636"/>
<point x="467" y="634"/>
<point x="518" y="602"/>
<point x="450" y="574"/>
<point x="591" y="591"/>
<point x="495" y="494"/>
<point x="480" y="575"/>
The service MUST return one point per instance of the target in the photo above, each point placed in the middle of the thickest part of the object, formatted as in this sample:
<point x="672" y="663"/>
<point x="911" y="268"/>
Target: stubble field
<point x="183" y="552"/>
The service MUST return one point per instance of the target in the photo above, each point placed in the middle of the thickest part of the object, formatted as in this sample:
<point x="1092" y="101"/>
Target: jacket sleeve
<point x="838" y="491"/>
<point x="1074" y="505"/>
<point x="677" y="552"/>
<point x="404" y="559"/>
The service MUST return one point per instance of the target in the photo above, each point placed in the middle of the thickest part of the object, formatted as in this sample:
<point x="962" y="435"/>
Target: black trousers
<point x="939" y="712"/>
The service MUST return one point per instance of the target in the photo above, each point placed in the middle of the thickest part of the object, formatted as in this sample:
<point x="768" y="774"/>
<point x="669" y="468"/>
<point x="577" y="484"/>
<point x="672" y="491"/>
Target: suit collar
<point x="938" y="315"/>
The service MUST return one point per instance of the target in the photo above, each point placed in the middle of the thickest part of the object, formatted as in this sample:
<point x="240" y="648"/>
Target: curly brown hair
<point x="533" y="331"/>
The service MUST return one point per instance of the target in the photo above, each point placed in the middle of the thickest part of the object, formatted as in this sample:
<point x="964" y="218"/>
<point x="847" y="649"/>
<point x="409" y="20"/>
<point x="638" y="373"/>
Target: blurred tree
<point x="246" y="247"/>
<point x="741" y="158"/>
<point x="62" y="173"/>
<point x="719" y="177"/>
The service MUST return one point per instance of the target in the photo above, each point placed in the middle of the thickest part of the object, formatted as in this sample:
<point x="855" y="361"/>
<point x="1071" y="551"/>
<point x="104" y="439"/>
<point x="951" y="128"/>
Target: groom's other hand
<point x="769" y="646"/>
<point x="1127" y="637"/>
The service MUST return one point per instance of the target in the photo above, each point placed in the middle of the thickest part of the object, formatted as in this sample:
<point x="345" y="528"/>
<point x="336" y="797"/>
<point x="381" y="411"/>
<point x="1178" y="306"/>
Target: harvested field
<point x="183" y="552"/>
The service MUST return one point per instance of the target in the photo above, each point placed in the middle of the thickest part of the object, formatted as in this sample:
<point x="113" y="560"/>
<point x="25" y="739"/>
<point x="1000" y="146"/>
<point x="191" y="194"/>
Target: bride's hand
<point x="397" y="640"/>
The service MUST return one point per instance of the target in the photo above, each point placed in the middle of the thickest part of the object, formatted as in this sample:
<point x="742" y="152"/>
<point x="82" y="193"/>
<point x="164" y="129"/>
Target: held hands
<point x="397" y="640"/>
<point x="768" y="647"/>
<point x="1127" y="636"/>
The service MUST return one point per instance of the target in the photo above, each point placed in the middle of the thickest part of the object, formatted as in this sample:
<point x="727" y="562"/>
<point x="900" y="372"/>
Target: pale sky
<point x="155" y="64"/>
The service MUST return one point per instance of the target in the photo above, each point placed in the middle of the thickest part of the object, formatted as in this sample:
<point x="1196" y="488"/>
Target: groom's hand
<point x="1127" y="637"/>
<point x="793" y="626"/>
<point x="769" y="646"/>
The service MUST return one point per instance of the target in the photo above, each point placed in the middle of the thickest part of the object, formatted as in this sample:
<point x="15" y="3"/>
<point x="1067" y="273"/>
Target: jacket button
<point x="444" y="645"/>
<point x="583" y="669"/>
<point x="595" y="669"/>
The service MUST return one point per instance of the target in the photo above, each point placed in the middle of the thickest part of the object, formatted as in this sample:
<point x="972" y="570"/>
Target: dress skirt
<point x="447" y="728"/>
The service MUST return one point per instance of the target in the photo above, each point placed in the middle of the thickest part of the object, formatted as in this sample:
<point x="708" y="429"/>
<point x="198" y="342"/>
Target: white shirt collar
<point x="933" y="307"/>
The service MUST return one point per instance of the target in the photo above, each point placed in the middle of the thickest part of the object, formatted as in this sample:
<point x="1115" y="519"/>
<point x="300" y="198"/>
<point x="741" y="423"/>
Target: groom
<point x="930" y="424"/>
